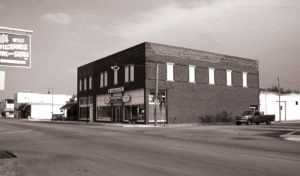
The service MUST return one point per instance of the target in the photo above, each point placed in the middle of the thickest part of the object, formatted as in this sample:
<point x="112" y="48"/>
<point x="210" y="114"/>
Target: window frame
<point x="85" y="83"/>
<point x="192" y="73"/>
<point x="245" y="79"/>
<point x="90" y="82"/>
<point x="211" y="76"/>
<point x="229" y="77"/>
<point x="80" y="85"/>
<point x="170" y="73"/>
<point x="116" y="76"/>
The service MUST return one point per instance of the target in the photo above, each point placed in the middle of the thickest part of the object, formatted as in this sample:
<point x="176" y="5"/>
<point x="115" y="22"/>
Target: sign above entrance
<point x="116" y="90"/>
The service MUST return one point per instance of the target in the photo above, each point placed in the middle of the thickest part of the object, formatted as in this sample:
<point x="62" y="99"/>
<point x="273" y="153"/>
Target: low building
<point x="7" y="108"/>
<point x="289" y="105"/>
<point x="192" y="84"/>
<point x="70" y="109"/>
<point x="39" y="106"/>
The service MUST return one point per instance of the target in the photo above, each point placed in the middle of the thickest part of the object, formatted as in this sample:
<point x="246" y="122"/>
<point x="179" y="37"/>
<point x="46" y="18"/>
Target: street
<point x="68" y="149"/>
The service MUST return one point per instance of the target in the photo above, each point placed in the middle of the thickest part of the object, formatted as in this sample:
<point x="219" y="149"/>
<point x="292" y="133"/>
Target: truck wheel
<point x="249" y="122"/>
<point x="238" y="123"/>
<point x="257" y="123"/>
<point x="268" y="122"/>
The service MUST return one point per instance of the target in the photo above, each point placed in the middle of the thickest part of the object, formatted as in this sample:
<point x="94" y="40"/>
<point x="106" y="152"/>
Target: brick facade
<point x="185" y="102"/>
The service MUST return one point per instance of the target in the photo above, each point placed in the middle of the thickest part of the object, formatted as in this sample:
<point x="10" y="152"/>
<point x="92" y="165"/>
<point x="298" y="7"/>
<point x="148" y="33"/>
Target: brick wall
<point x="189" y="101"/>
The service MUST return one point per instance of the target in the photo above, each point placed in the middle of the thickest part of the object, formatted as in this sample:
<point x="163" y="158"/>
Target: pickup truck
<point x="254" y="116"/>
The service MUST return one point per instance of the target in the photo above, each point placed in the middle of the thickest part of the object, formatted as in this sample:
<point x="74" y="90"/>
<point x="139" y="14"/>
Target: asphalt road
<point x="63" y="149"/>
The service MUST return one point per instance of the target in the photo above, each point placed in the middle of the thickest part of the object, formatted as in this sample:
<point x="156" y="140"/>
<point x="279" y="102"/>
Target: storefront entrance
<point x="117" y="115"/>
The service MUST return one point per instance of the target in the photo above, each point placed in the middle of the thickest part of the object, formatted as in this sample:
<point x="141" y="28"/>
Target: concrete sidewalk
<point x="293" y="136"/>
<point x="113" y="124"/>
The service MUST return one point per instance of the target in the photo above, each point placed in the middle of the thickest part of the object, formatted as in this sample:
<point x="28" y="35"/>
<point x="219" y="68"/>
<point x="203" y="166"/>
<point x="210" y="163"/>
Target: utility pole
<point x="279" y="100"/>
<point x="156" y="95"/>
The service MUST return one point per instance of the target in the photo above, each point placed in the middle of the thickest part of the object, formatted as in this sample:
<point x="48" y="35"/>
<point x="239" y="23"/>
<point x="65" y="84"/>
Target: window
<point x="126" y="73"/>
<point x="170" y="72"/>
<point x="229" y="81"/>
<point x="90" y="83"/>
<point x="116" y="76"/>
<point x="192" y="73"/>
<point x="129" y="73"/>
<point x="105" y="79"/>
<point x="103" y="111"/>
<point x="84" y="112"/>
<point x="101" y="79"/>
<point x="245" y="79"/>
<point x="80" y="85"/>
<point x="84" y="83"/>
<point x="211" y="73"/>
<point x="296" y="102"/>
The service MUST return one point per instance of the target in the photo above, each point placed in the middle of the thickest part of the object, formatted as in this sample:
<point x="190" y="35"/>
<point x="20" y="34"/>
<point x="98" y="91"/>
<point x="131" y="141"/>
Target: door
<point x="117" y="114"/>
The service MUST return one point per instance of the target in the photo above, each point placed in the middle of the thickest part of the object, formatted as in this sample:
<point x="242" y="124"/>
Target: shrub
<point x="224" y="116"/>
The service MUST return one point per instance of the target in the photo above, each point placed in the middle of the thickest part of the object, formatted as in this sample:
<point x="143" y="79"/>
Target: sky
<point x="71" y="33"/>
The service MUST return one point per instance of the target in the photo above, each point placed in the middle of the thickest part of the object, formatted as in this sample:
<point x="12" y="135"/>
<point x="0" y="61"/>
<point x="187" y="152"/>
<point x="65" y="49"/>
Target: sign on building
<point x="15" y="47"/>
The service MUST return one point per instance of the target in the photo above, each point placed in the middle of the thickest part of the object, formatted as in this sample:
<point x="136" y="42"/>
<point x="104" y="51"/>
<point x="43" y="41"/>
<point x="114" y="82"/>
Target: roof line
<point x="15" y="29"/>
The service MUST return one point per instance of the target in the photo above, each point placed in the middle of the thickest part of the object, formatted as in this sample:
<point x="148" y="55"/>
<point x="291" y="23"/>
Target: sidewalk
<point x="113" y="124"/>
<point x="293" y="136"/>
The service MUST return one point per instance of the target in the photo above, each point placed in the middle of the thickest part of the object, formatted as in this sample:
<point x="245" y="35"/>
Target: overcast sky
<point x="71" y="33"/>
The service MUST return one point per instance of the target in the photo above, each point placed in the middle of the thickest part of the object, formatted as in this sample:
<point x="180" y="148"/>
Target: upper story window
<point x="296" y="102"/>
<point x="170" y="71"/>
<point x="116" y="76"/>
<point x="211" y="74"/>
<point x="245" y="81"/>
<point x="229" y="77"/>
<point x="192" y="69"/>
<point x="90" y="83"/>
<point x="85" y="86"/>
<point x="129" y="73"/>
<point x="80" y="85"/>
<point x="103" y="79"/>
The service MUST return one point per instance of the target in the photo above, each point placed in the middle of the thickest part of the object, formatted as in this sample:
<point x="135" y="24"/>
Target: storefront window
<point x="134" y="113"/>
<point x="104" y="113"/>
<point x="160" y="107"/>
<point x="84" y="112"/>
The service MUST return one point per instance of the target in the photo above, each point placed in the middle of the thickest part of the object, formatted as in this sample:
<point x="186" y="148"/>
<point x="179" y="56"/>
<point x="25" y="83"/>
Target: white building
<point x="289" y="105"/>
<point x="39" y="106"/>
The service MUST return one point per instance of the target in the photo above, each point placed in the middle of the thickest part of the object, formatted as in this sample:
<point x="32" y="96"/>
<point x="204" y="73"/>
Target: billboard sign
<point x="15" y="47"/>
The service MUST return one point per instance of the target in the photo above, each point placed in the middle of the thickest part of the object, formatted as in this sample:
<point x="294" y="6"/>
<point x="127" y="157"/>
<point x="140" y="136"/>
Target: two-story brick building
<point x="191" y="84"/>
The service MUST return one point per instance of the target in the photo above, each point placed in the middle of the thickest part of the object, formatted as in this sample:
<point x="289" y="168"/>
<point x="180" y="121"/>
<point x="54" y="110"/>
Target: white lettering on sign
<point x="18" y="40"/>
<point x="15" y="48"/>
<point x="12" y="61"/>
<point x="116" y="90"/>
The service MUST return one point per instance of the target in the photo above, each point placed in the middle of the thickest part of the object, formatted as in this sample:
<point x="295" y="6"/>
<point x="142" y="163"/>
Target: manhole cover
<point x="6" y="155"/>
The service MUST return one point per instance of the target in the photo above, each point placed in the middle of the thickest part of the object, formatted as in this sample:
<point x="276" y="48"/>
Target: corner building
<point x="120" y="88"/>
